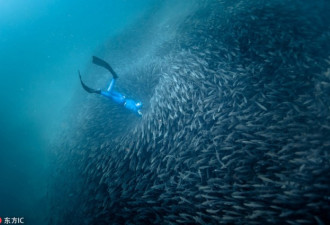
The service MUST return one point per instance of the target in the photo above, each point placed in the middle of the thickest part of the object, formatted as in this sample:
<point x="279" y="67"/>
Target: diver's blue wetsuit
<point x="121" y="99"/>
<point x="110" y="93"/>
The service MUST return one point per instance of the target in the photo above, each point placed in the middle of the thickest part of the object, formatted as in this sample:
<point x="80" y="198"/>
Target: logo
<point x="14" y="220"/>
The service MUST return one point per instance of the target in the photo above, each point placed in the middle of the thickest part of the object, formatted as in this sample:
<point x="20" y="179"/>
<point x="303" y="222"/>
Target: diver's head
<point x="138" y="105"/>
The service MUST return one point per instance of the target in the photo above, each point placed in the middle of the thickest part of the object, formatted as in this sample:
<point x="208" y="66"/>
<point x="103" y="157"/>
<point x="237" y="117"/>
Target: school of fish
<point x="235" y="126"/>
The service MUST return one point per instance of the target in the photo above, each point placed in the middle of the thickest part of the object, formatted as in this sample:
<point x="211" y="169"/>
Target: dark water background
<point x="42" y="44"/>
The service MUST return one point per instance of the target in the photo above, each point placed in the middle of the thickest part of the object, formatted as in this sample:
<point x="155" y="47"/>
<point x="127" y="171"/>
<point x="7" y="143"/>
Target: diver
<point x="110" y="93"/>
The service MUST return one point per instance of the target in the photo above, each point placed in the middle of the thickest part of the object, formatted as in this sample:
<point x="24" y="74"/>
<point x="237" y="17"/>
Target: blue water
<point x="42" y="45"/>
<point x="235" y="121"/>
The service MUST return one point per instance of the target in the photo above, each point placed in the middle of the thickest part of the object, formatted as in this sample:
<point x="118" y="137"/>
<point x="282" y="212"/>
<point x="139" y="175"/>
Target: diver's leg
<point x="111" y="85"/>
<point x="117" y="97"/>
<point x="88" y="89"/>
<point x="106" y="94"/>
<point x="117" y="94"/>
<point x="104" y="64"/>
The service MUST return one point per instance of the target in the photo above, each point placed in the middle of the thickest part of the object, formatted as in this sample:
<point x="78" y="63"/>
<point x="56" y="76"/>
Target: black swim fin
<point x="88" y="89"/>
<point x="104" y="64"/>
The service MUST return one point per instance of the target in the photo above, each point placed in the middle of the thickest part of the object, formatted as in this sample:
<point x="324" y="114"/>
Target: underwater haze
<point x="42" y="45"/>
<point x="235" y="121"/>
